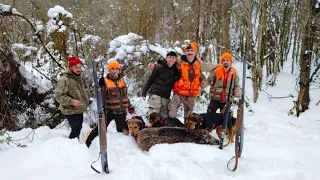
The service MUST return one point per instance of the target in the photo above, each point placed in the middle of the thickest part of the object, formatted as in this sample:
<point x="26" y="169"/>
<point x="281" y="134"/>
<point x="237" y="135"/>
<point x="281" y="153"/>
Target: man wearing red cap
<point x="220" y="79"/>
<point x="72" y="96"/>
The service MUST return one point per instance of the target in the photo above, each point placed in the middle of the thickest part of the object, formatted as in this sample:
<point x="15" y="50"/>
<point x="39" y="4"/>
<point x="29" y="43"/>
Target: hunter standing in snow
<point x="72" y="96"/>
<point x="187" y="87"/>
<point x="160" y="83"/>
<point x="115" y="97"/>
<point x="220" y="79"/>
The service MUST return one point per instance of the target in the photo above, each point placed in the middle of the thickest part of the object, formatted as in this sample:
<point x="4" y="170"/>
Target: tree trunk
<point x="257" y="61"/>
<point x="218" y="33"/>
<point x="303" y="101"/>
<point x="226" y="24"/>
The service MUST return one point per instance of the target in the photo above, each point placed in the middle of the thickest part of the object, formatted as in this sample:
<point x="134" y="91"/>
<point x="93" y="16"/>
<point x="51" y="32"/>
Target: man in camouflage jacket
<point x="72" y="96"/>
<point x="220" y="79"/>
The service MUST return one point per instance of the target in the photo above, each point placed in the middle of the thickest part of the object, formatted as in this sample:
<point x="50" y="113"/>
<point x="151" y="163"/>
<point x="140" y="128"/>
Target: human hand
<point x="131" y="110"/>
<point x="203" y="84"/>
<point x="150" y="66"/>
<point x="77" y="103"/>
<point x="238" y="94"/>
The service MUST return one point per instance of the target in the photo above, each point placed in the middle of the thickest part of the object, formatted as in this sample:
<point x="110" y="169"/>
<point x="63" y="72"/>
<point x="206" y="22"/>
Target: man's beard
<point x="114" y="75"/>
<point x="77" y="72"/>
<point x="226" y="65"/>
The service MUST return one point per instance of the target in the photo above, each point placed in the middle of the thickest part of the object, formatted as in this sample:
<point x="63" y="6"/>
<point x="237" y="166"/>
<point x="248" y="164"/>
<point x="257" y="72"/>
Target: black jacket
<point x="161" y="80"/>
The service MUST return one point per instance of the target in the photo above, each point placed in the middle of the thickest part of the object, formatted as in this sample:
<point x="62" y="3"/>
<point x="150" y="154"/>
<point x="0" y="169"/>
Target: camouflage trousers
<point x="188" y="104"/>
<point x="159" y="105"/>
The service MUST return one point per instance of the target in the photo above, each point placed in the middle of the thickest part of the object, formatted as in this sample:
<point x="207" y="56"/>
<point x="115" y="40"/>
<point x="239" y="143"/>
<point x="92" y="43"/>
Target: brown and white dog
<point x="133" y="126"/>
<point x="211" y="121"/>
<point x="156" y="120"/>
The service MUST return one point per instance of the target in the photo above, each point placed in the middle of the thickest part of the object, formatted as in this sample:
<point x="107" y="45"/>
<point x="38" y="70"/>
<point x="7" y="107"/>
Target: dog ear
<point x="126" y="126"/>
<point x="198" y="119"/>
<point x="199" y="124"/>
<point x="138" y="117"/>
<point x="143" y="124"/>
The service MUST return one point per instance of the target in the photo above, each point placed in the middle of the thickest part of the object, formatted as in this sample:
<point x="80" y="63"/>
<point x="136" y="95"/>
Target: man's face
<point x="76" y="69"/>
<point x="226" y="62"/>
<point x="114" y="71"/>
<point x="171" y="60"/>
<point x="190" y="53"/>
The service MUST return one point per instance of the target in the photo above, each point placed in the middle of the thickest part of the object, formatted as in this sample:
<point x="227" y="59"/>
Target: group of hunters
<point x="182" y="76"/>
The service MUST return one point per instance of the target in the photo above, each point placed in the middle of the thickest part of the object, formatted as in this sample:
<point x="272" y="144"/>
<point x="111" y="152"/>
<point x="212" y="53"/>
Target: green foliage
<point x="6" y="139"/>
<point x="290" y="113"/>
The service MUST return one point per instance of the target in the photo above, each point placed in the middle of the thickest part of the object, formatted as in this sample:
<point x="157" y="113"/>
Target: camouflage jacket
<point x="216" y="80"/>
<point x="70" y="87"/>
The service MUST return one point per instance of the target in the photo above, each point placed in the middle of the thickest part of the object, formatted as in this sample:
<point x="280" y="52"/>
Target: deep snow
<point x="276" y="147"/>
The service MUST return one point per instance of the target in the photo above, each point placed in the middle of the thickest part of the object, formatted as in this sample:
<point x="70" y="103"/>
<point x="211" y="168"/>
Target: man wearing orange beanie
<point x="115" y="96"/>
<point x="72" y="96"/>
<point x="220" y="78"/>
<point x="188" y="85"/>
<point x="114" y="99"/>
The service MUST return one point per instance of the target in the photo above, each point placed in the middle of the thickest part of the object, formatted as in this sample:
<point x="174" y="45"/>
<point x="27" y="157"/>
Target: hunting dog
<point x="133" y="126"/>
<point x="211" y="121"/>
<point x="156" y="120"/>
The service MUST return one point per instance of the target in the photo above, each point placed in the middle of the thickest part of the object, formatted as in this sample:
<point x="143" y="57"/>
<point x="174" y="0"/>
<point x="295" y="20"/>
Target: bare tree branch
<point x="11" y="13"/>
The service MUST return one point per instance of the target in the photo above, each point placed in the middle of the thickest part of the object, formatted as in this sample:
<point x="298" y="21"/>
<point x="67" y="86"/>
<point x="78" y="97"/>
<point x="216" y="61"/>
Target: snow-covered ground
<point x="276" y="147"/>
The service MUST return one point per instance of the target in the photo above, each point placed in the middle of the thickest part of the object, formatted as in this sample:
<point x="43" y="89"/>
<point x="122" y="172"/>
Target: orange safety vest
<point x="220" y="72"/>
<point x="224" y="82"/>
<point x="116" y="96"/>
<point x="185" y="86"/>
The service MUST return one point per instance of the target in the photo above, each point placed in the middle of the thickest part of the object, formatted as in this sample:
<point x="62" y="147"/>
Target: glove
<point x="131" y="110"/>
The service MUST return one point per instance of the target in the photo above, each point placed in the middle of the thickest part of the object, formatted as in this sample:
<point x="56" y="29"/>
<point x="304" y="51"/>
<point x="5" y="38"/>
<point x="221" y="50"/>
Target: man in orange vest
<point x="220" y="79"/>
<point x="115" y="97"/>
<point x="188" y="86"/>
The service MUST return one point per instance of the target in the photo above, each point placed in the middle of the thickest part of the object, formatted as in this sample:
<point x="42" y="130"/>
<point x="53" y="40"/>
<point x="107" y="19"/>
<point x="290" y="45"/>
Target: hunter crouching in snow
<point x="114" y="98"/>
<point x="72" y="96"/>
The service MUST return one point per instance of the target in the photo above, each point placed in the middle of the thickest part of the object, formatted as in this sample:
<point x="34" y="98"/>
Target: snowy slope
<point x="276" y="147"/>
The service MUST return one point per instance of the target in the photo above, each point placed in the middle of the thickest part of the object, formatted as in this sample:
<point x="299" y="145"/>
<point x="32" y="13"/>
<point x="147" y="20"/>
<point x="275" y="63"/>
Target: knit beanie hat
<point x="192" y="45"/>
<point x="113" y="64"/>
<point x="172" y="53"/>
<point x="225" y="55"/>
<point x="73" y="61"/>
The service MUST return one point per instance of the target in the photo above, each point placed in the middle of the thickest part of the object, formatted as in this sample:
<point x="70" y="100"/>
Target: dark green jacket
<point x="69" y="88"/>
